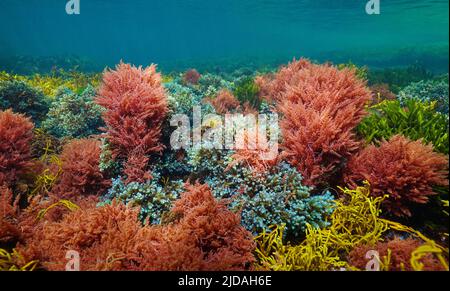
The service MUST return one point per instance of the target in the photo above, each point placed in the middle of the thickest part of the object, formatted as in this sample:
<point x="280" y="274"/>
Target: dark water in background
<point x="204" y="33"/>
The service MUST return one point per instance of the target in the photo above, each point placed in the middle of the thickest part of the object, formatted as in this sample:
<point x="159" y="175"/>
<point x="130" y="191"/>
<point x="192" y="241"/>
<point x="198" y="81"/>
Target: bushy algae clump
<point x="203" y="235"/>
<point x="135" y="104"/>
<point x="81" y="174"/>
<point x="415" y="120"/>
<point x="22" y="98"/>
<point x="321" y="106"/>
<point x="154" y="197"/>
<point x="435" y="90"/>
<point x="272" y="197"/>
<point x="16" y="133"/>
<point x="403" y="169"/>
<point x="74" y="115"/>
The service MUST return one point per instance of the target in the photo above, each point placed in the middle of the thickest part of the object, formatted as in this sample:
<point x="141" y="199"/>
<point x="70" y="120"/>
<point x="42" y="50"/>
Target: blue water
<point x="181" y="33"/>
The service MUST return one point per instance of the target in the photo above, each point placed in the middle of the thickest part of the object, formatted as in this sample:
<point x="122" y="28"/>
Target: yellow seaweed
<point x="356" y="221"/>
<point x="66" y="203"/>
<point x="4" y="76"/>
<point x="47" y="178"/>
<point x="74" y="81"/>
<point x="8" y="262"/>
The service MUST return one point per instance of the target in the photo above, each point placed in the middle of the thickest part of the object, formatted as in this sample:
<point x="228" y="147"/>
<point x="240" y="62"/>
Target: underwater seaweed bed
<point x="87" y="164"/>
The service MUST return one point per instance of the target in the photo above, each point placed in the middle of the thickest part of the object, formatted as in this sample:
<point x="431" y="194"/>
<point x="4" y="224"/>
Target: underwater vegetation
<point x="81" y="174"/>
<point x="246" y="91"/>
<point x="355" y="223"/>
<point x="22" y="98"/>
<point x="135" y="105"/>
<point x="381" y="92"/>
<point x="74" y="115"/>
<point x="435" y="90"/>
<point x="400" y="255"/>
<point x="154" y="198"/>
<point x="321" y="106"/>
<point x="16" y="132"/>
<point x="4" y="76"/>
<point x="191" y="77"/>
<point x="211" y="84"/>
<point x="7" y="262"/>
<point x="415" y="120"/>
<point x="398" y="78"/>
<point x="202" y="235"/>
<point x="86" y="165"/>
<point x="181" y="98"/>
<point x="225" y="102"/>
<point x="8" y="211"/>
<point x="52" y="84"/>
<point x="273" y="196"/>
<point x="404" y="170"/>
<point x="75" y="81"/>
<point x="362" y="72"/>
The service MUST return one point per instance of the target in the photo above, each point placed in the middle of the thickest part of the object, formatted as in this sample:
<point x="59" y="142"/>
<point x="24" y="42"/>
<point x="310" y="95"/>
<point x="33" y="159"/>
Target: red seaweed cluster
<point x="203" y="235"/>
<point x="16" y="133"/>
<point x="135" y="105"/>
<point x="321" y="105"/>
<point x="399" y="252"/>
<point x="81" y="175"/>
<point x="403" y="169"/>
<point x="191" y="77"/>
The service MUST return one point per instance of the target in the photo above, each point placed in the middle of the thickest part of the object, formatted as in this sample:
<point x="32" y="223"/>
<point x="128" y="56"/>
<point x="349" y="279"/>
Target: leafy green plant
<point x="416" y="120"/>
<point x="360" y="72"/>
<point x="246" y="90"/>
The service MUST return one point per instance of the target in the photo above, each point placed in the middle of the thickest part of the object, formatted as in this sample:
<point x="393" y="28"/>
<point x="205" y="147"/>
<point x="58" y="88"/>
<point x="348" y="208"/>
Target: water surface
<point x="177" y="33"/>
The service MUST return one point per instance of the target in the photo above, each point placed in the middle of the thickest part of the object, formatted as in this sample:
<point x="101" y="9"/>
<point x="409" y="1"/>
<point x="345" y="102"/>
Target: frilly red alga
<point x="136" y="106"/>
